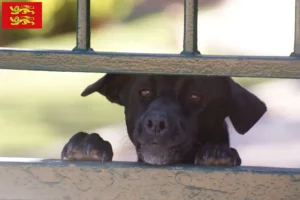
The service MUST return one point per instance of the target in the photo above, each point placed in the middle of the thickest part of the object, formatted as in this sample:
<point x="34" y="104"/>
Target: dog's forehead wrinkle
<point x="212" y="86"/>
<point x="142" y="81"/>
<point x="169" y="86"/>
<point x="161" y="82"/>
<point x="204" y="82"/>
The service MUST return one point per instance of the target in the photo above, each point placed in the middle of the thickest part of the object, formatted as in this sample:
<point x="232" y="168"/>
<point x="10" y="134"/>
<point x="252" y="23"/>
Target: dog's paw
<point x="220" y="155"/>
<point x="88" y="147"/>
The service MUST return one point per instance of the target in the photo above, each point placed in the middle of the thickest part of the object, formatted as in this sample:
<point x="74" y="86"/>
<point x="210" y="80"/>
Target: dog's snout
<point x="156" y="123"/>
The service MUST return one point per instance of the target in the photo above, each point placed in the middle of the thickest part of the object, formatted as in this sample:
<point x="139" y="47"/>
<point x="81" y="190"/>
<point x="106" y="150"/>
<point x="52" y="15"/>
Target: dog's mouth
<point x="157" y="145"/>
<point x="161" y="154"/>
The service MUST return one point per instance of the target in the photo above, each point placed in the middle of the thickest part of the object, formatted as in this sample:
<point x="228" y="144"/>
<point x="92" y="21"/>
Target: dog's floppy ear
<point x="245" y="109"/>
<point x="110" y="86"/>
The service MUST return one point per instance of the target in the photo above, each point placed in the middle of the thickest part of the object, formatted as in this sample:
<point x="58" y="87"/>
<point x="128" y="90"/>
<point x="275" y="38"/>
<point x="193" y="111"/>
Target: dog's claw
<point x="63" y="152"/>
<point x="87" y="149"/>
<point x="223" y="156"/>
<point x="103" y="157"/>
<point x="83" y="146"/>
<point x="205" y="156"/>
<point x="218" y="155"/>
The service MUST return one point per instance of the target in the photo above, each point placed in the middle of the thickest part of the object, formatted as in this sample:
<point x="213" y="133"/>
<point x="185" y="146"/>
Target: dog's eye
<point x="195" y="97"/>
<point x="145" y="93"/>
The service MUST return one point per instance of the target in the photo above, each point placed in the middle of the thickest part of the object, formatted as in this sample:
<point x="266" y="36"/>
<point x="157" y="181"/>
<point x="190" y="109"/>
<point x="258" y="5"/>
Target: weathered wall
<point x="62" y="180"/>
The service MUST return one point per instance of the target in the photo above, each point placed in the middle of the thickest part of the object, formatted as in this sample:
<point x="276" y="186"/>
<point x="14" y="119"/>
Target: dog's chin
<point x="155" y="154"/>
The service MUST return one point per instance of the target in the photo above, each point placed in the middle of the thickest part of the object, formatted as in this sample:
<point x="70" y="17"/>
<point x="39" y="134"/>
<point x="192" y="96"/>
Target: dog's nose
<point x="156" y="123"/>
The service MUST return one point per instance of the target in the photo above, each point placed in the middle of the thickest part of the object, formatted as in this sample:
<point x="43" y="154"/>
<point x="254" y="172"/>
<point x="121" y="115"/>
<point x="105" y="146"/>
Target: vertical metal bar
<point x="297" y="29"/>
<point x="190" y="27"/>
<point x="83" y="35"/>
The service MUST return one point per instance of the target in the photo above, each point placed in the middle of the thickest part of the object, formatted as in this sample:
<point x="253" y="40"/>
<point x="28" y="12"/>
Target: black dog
<point x="173" y="119"/>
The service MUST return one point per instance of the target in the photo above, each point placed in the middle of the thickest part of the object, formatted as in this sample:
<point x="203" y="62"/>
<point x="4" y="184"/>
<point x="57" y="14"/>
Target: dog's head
<point x="167" y="115"/>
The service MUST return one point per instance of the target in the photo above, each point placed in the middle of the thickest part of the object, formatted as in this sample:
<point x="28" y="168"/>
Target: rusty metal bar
<point x="83" y="61"/>
<point x="297" y="29"/>
<point x="83" y="34"/>
<point x="190" y="45"/>
<point x="64" y="180"/>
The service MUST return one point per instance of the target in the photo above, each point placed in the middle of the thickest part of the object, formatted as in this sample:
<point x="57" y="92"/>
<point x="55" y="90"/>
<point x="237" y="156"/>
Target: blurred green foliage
<point x="59" y="16"/>
<point x="39" y="109"/>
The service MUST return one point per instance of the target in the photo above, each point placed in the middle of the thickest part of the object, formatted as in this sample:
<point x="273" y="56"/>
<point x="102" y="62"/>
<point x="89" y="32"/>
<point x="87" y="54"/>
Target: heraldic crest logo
<point x="21" y="15"/>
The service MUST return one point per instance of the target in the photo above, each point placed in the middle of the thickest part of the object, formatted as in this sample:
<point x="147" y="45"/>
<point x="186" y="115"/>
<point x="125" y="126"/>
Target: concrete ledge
<point x="34" y="179"/>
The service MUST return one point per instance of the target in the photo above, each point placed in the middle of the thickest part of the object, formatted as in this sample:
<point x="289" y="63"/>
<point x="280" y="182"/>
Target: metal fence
<point x="83" y="59"/>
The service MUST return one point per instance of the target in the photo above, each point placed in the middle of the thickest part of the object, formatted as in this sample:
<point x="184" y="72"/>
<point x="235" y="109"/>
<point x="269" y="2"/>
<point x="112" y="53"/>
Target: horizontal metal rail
<point x="64" y="180"/>
<point x="69" y="61"/>
<point x="83" y="59"/>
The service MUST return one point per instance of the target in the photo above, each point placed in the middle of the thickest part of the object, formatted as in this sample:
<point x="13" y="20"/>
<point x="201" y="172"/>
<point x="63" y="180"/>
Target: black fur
<point x="169" y="126"/>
